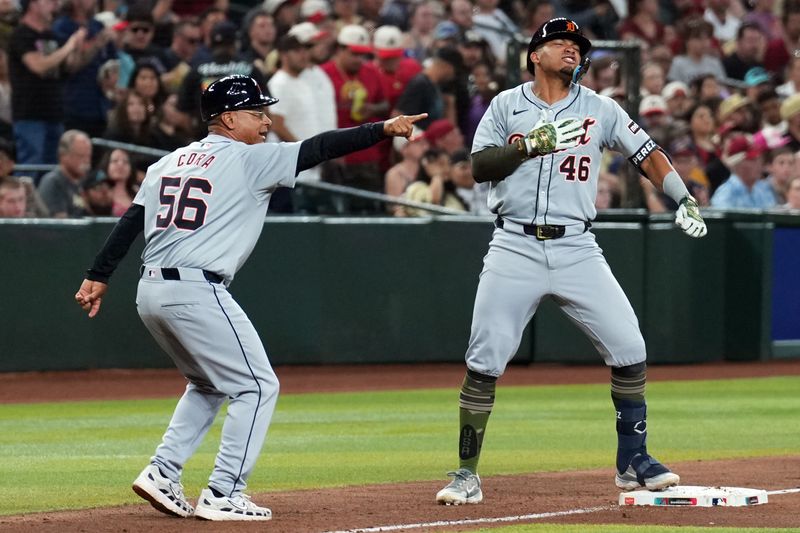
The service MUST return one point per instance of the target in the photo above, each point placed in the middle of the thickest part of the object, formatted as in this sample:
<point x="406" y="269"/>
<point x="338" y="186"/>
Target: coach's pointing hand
<point x="90" y="295"/>
<point x="402" y="125"/>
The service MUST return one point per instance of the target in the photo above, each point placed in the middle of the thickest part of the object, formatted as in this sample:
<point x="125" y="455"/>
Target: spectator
<point x="116" y="166"/>
<point x="261" y="34"/>
<point x="653" y="78"/>
<point x="790" y="112"/>
<point x="744" y="188"/>
<point x="224" y="61"/>
<point x="85" y="108"/>
<point x="698" y="58"/>
<point x="13" y="200"/>
<point x="676" y="95"/>
<point x="34" y="205"/>
<point x="60" y="188"/>
<point x="687" y="164"/>
<point x="318" y="13"/>
<point x="782" y="44"/>
<point x="445" y="136"/>
<point x="474" y="49"/>
<point x="186" y="38"/>
<point x="130" y="122"/>
<point x="749" y="52"/>
<point x="370" y="11"/>
<point x="424" y="17"/>
<point x="300" y="112"/>
<point x="780" y="168"/>
<point x="735" y="113"/>
<point x="138" y="40"/>
<point x="725" y="24"/>
<point x="396" y="13"/>
<point x="605" y="71"/>
<point x="95" y="191"/>
<point x="146" y="82"/>
<point x="769" y="106"/>
<point x="446" y="33"/>
<point x="461" y="14"/>
<point x="36" y="70"/>
<point x="763" y="16"/>
<point x="642" y="23"/>
<point x="395" y="70"/>
<point x="607" y="191"/>
<point x="792" y="84"/>
<point x="345" y="12"/>
<point x="705" y="88"/>
<point x="495" y="26"/>
<point x="756" y="81"/>
<point x="537" y="12"/>
<point x="473" y="195"/>
<point x="359" y="99"/>
<point x="313" y="37"/>
<point x="423" y="94"/>
<point x="434" y="184"/>
<point x="5" y="97"/>
<point x="702" y="128"/>
<point x="484" y="89"/>
<point x="793" y="194"/>
<point x="599" y="17"/>
<point x="208" y="19"/>
<point x="167" y="131"/>
<point x="661" y="54"/>
<point x="405" y="172"/>
<point x="655" y="118"/>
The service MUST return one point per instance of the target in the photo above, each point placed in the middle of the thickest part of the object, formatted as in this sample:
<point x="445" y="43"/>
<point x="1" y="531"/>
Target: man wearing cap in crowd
<point x="261" y="33"/>
<point x="96" y="195"/>
<point x="305" y="106"/>
<point x="756" y="81"/>
<point x="225" y="61"/>
<point x="424" y="91"/>
<point x="676" y="95"/>
<point x="359" y="99"/>
<point x="395" y="69"/>
<point x="656" y="118"/>
<point x="734" y="114"/>
<point x="744" y="188"/>
<point x="474" y="49"/>
<point x="461" y="14"/>
<point x="444" y="135"/>
<point x="749" y="52"/>
<point x="790" y="112"/>
<point x="315" y="38"/>
<point x="318" y="13"/>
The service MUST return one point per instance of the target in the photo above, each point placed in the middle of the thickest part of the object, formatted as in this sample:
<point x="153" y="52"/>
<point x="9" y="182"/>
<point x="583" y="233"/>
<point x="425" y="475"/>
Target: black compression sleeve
<point x="497" y="162"/>
<point x="336" y="143"/>
<point x="119" y="241"/>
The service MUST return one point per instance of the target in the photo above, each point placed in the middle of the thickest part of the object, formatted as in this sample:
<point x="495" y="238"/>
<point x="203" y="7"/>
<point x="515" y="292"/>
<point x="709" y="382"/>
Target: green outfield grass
<point x="85" y="454"/>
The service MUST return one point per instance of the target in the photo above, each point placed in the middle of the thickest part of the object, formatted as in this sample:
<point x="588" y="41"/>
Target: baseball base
<point x="689" y="496"/>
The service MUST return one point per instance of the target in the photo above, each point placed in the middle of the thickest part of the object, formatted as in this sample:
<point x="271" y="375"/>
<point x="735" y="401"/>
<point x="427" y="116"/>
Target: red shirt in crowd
<point x="393" y="83"/>
<point x="365" y="86"/>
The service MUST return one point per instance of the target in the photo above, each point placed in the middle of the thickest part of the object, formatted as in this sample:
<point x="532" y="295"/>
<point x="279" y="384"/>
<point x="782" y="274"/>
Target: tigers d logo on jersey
<point x="588" y="122"/>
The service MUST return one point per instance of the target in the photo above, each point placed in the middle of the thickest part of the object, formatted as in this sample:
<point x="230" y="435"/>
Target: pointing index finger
<point x="416" y="118"/>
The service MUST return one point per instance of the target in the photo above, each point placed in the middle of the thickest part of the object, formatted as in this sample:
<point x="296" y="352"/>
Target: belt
<point x="543" y="232"/>
<point x="179" y="274"/>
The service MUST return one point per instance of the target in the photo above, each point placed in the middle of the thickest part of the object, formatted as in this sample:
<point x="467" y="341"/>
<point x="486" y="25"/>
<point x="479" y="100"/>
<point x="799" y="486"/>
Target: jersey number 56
<point x="179" y="213"/>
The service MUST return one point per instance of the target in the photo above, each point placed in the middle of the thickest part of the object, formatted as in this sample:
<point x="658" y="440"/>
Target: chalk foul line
<point x="467" y="522"/>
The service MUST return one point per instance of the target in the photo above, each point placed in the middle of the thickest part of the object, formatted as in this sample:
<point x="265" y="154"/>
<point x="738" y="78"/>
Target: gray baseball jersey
<point x="555" y="189"/>
<point x="204" y="208"/>
<point x="215" y="191"/>
<point x="559" y="188"/>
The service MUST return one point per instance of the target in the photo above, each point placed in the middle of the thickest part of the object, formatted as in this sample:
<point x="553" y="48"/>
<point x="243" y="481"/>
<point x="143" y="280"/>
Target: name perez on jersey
<point x="585" y="138"/>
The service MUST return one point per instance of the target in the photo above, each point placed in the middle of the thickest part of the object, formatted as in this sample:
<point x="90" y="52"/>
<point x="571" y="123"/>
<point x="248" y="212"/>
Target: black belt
<point x="173" y="274"/>
<point x="543" y="232"/>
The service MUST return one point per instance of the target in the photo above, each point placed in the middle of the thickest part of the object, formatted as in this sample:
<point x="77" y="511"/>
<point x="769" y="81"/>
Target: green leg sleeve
<point x="476" y="402"/>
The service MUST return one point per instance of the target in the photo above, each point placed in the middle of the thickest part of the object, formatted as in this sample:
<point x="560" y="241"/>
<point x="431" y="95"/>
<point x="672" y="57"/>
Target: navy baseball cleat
<point x="465" y="488"/>
<point x="645" y="471"/>
<point x="162" y="493"/>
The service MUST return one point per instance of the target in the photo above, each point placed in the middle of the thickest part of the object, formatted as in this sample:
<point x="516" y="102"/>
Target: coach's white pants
<point x="214" y="345"/>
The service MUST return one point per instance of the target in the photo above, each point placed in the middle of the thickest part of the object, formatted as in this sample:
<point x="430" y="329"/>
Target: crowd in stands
<point x="718" y="84"/>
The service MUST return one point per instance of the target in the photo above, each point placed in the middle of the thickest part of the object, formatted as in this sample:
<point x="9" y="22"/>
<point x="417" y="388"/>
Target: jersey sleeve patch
<point x="634" y="127"/>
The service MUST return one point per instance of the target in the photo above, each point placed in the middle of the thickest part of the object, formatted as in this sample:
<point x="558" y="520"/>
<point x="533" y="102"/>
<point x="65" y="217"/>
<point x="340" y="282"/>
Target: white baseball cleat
<point x="162" y="493"/>
<point x="465" y="488"/>
<point x="238" y="507"/>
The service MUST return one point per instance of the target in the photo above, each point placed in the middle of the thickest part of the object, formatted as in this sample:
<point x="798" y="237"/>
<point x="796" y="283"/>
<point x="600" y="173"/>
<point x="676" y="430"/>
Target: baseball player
<point x="202" y="209"/>
<point x="539" y="145"/>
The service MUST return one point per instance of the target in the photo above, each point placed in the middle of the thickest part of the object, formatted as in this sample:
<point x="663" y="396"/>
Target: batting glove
<point x="688" y="218"/>
<point x="548" y="137"/>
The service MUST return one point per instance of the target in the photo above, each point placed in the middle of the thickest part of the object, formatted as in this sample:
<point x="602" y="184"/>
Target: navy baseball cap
<point x="558" y="28"/>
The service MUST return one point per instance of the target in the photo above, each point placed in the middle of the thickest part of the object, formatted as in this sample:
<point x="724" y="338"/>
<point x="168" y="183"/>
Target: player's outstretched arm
<point x="336" y="143"/>
<point x="660" y="171"/>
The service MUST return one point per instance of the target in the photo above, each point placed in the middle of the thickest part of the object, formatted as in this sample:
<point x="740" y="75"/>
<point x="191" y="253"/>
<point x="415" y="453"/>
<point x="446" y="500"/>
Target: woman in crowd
<point x="701" y="130"/>
<point x="434" y="184"/>
<point x="130" y="121"/>
<point x="117" y="166"/>
<point x="146" y="82"/>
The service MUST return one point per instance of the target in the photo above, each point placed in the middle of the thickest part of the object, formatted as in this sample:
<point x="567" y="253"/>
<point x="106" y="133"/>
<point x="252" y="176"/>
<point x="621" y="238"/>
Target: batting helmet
<point x="558" y="28"/>
<point x="232" y="93"/>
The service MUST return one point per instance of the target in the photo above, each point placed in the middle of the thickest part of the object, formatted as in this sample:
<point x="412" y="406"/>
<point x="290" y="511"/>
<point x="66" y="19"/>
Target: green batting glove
<point x="549" y="137"/>
<point x="688" y="218"/>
